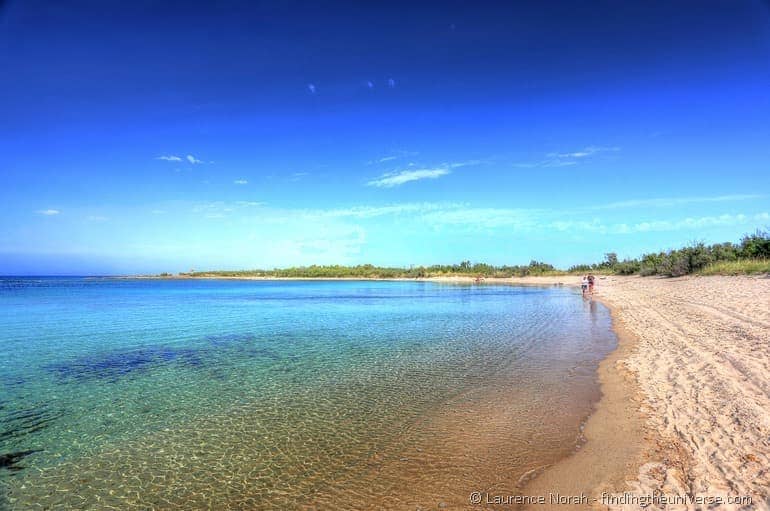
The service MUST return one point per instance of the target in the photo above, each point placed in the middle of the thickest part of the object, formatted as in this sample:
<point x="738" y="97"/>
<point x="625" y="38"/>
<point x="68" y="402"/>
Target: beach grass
<point x="738" y="267"/>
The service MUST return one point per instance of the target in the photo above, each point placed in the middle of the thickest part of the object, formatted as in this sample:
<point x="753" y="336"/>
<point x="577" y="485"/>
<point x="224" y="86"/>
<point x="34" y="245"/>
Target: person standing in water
<point x="584" y="284"/>
<point x="591" y="280"/>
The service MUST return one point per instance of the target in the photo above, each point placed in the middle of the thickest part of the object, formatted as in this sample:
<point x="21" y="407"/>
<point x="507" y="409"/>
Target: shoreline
<point x="614" y="437"/>
<point x="611" y="439"/>
<point x="548" y="280"/>
<point x="685" y="402"/>
<point x="468" y="440"/>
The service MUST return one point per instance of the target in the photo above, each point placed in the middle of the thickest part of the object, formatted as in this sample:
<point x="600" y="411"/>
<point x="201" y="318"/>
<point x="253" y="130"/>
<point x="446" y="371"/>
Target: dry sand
<point x="686" y="406"/>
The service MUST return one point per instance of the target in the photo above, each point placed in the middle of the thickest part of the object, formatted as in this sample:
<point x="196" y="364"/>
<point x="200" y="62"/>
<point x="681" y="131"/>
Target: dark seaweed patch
<point x="10" y="461"/>
<point x="114" y="365"/>
<point x="119" y="364"/>
<point x="23" y="422"/>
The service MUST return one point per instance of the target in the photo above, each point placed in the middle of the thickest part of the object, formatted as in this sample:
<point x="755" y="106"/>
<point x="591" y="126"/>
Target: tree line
<point x="692" y="258"/>
<point x="752" y="253"/>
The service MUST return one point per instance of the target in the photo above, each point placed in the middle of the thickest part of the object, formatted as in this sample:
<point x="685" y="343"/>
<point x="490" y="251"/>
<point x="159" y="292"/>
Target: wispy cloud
<point x="456" y="215"/>
<point x="665" y="225"/>
<point x="466" y="218"/>
<point x="467" y="163"/>
<point x="544" y="221"/>
<point x="391" y="83"/>
<point x="97" y="218"/>
<point x="48" y="212"/>
<point x="691" y="223"/>
<point x="222" y="209"/>
<point x="675" y="201"/>
<point x="395" y="155"/>
<point x="567" y="159"/>
<point x="189" y="158"/>
<point x="240" y="182"/>
<point x="311" y="88"/>
<point x="410" y="174"/>
<point x="584" y="153"/>
<point x="405" y="176"/>
<point x="364" y="212"/>
<point x="475" y="218"/>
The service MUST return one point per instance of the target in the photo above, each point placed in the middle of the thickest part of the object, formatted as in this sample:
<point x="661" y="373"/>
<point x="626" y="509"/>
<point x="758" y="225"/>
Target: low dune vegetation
<point x="751" y="255"/>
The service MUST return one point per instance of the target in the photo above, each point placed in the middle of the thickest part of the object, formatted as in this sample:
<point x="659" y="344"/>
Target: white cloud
<point x="472" y="219"/>
<point x="97" y="218"/>
<point x="468" y="218"/>
<point x="302" y="230"/>
<point x="362" y="212"/>
<point x="392" y="179"/>
<point x="667" y="225"/>
<point x="567" y="159"/>
<point x="405" y="176"/>
<point x="468" y="163"/>
<point x="190" y="159"/>
<point x="240" y="182"/>
<point x="394" y="155"/>
<point x="696" y="222"/>
<point x="311" y="88"/>
<point x="48" y="212"/>
<point x="296" y="176"/>
<point x="675" y="201"/>
<point x="584" y="153"/>
<point x="222" y="209"/>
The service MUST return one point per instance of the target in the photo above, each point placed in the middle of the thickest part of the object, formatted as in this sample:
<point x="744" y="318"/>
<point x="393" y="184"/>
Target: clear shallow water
<point x="286" y="395"/>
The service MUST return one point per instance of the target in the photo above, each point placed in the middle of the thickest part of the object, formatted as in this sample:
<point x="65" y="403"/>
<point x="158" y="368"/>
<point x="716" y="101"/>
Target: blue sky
<point x="158" y="136"/>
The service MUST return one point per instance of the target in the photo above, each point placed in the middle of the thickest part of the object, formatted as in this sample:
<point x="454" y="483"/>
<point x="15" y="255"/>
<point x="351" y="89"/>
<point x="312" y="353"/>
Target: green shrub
<point x="627" y="267"/>
<point x="756" y="246"/>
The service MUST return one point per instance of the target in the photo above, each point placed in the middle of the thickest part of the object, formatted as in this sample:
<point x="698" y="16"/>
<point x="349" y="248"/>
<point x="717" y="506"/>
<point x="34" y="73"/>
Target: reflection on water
<point x="291" y="395"/>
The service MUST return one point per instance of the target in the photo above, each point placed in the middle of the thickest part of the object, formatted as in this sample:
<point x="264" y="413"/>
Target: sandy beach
<point x="686" y="398"/>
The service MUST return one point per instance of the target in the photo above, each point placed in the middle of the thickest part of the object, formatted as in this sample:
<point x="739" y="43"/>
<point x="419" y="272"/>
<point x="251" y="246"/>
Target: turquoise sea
<point x="227" y="394"/>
